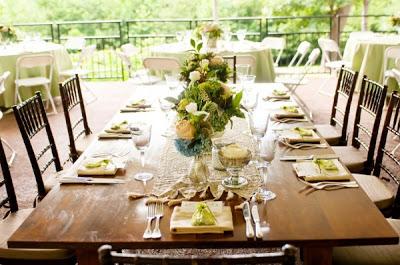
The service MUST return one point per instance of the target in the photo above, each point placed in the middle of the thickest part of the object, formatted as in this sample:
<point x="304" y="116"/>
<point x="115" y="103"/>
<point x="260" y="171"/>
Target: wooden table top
<point x="87" y="216"/>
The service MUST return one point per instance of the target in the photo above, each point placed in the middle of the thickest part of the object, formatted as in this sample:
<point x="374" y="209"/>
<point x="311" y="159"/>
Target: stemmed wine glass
<point x="267" y="154"/>
<point x="180" y="35"/>
<point x="250" y="100"/>
<point x="242" y="70"/>
<point x="141" y="136"/>
<point x="166" y="107"/>
<point x="241" y="34"/>
<point x="258" y="128"/>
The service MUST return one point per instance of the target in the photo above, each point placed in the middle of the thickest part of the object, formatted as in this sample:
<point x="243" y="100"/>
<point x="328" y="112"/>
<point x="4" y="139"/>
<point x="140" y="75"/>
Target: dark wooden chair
<point x="359" y="157"/>
<point x="13" y="219"/>
<point x="31" y="119"/>
<point x="387" y="166"/>
<point x="231" y="60"/>
<point x="285" y="257"/>
<point x="335" y="133"/>
<point x="71" y="96"/>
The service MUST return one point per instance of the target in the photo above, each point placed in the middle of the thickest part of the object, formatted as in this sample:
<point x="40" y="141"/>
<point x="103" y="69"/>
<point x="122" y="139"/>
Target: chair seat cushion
<point x="353" y="158"/>
<point x="369" y="255"/>
<point x="330" y="133"/>
<point x="8" y="227"/>
<point x="376" y="190"/>
<point x="34" y="81"/>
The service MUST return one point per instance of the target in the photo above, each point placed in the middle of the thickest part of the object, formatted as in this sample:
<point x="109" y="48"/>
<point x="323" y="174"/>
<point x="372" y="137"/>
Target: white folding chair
<point x="75" y="43"/>
<point x="127" y="51"/>
<point x="293" y="82"/>
<point x="361" y="34"/>
<point x="275" y="43"/>
<point x="159" y="65"/>
<point x="86" y="53"/>
<point x="43" y="61"/>
<point x="391" y="53"/>
<point x="328" y="47"/>
<point x="3" y="79"/>
<point x="294" y="65"/>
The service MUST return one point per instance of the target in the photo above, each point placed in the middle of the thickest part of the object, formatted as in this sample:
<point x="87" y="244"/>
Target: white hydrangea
<point x="194" y="76"/>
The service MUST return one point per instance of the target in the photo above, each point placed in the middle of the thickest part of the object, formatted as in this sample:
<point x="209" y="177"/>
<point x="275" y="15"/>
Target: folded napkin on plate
<point x="290" y="109"/>
<point x="140" y="104"/>
<point x="321" y="170"/>
<point x="300" y="135"/>
<point x="181" y="219"/>
<point x="112" y="135"/>
<point x="118" y="127"/>
<point x="279" y="93"/>
<point x="97" y="167"/>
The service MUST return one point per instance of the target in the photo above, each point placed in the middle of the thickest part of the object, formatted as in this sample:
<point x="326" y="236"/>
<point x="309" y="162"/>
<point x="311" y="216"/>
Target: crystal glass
<point x="172" y="81"/>
<point x="250" y="100"/>
<point x="267" y="154"/>
<point x="166" y="107"/>
<point x="180" y="36"/>
<point x="258" y="127"/>
<point x="247" y="81"/>
<point x="241" y="34"/>
<point x="141" y="136"/>
<point x="242" y="70"/>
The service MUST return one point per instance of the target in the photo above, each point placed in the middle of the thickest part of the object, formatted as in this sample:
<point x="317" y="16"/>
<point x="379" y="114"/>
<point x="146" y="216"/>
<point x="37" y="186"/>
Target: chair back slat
<point x="162" y="64"/>
<point x="10" y="200"/>
<point x="231" y="61"/>
<point x="344" y="93"/>
<point x="31" y="118"/>
<point x="71" y="97"/>
<point x="285" y="257"/>
<point x="388" y="159"/>
<point x="371" y="102"/>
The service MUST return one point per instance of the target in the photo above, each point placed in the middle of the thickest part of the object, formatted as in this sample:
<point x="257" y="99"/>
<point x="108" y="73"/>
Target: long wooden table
<point x="83" y="217"/>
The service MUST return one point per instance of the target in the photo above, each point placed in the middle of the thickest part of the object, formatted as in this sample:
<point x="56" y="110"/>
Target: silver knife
<point x="247" y="218"/>
<point x="307" y="157"/>
<point x="256" y="218"/>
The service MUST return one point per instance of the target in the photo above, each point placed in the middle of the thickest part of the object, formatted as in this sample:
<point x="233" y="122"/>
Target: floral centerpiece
<point x="395" y="20"/>
<point x="204" y="66"/>
<point x="206" y="105"/>
<point x="7" y="33"/>
<point x="209" y="32"/>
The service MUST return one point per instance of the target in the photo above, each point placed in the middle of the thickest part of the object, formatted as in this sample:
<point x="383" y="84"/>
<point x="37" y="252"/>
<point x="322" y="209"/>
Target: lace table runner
<point x="172" y="180"/>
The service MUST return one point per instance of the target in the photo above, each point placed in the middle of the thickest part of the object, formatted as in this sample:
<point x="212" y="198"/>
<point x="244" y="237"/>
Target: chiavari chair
<point x="231" y="61"/>
<point x="359" y="157"/>
<point x="335" y="133"/>
<point x="32" y="119"/>
<point x="13" y="218"/>
<point x="285" y="257"/>
<point x="71" y="97"/>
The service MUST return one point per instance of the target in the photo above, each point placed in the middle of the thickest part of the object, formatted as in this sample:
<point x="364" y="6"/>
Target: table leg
<point x="317" y="255"/>
<point x="87" y="256"/>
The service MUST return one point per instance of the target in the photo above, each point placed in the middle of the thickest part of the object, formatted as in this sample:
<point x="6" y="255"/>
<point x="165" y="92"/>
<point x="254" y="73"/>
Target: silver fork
<point x="159" y="213"/>
<point x="150" y="216"/>
<point x="303" y="145"/>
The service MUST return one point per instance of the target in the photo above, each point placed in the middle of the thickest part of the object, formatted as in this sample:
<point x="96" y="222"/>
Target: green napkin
<point x="303" y="132"/>
<point x="277" y="92"/>
<point x="203" y="215"/>
<point x="117" y="126"/>
<point x="326" y="164"/>
<point x="100" y="163"/>
<point x="291" y="109"/>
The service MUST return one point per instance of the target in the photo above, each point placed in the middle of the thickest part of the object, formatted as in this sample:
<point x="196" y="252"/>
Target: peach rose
<point x="216" y="60"/>
<point x="185" y="130"/>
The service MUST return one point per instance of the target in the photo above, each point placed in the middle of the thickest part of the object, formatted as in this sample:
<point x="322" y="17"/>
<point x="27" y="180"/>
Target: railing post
<point x="266" y="27"/>
<point x="58" y="32"/>
<point x="260" y="29"/>
<point x="339" y="31"/>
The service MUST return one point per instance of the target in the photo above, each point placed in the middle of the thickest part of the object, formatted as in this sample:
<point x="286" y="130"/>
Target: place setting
<point x="138" y="105"/>
<point x="301" y="138"/>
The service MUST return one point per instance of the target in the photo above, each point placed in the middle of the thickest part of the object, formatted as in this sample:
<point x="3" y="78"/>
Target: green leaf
<point x="172" y="100"/>
<point x="199" y="46"/>
<point x="193" y="43"/>
<point x="237" y="99"/>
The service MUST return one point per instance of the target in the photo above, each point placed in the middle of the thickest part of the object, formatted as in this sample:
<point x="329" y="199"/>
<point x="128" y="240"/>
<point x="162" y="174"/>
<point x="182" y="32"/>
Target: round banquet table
<point x="264" y="69"/>
<point x="8" y="58"/>
<point x="366" y="55"/>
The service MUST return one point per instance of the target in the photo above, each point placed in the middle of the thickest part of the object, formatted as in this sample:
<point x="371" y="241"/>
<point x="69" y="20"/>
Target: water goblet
<point x="250" y="100"/>
<point x="241" y="34"/>
<point x="141" y="137"/>
<point x="247" y="81"/>
<point x="166" y="107"/>
<point x="242" y="70"/>
<point x="258" y="127"/>
<point x="180" y="36"/>
<point x="267" y="154"/>
<point x="172" y="81"/>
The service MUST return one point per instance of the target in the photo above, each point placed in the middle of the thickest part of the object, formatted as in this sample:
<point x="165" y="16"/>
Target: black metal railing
<point x="109" y="35"/>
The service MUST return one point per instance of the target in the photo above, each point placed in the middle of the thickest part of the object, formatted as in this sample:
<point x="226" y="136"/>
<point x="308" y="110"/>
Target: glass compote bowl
<point x="141" y="136"/>
<point x="166" y="107"/>
<point x="267" y="154"/>
<point x="234" y="164"/>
